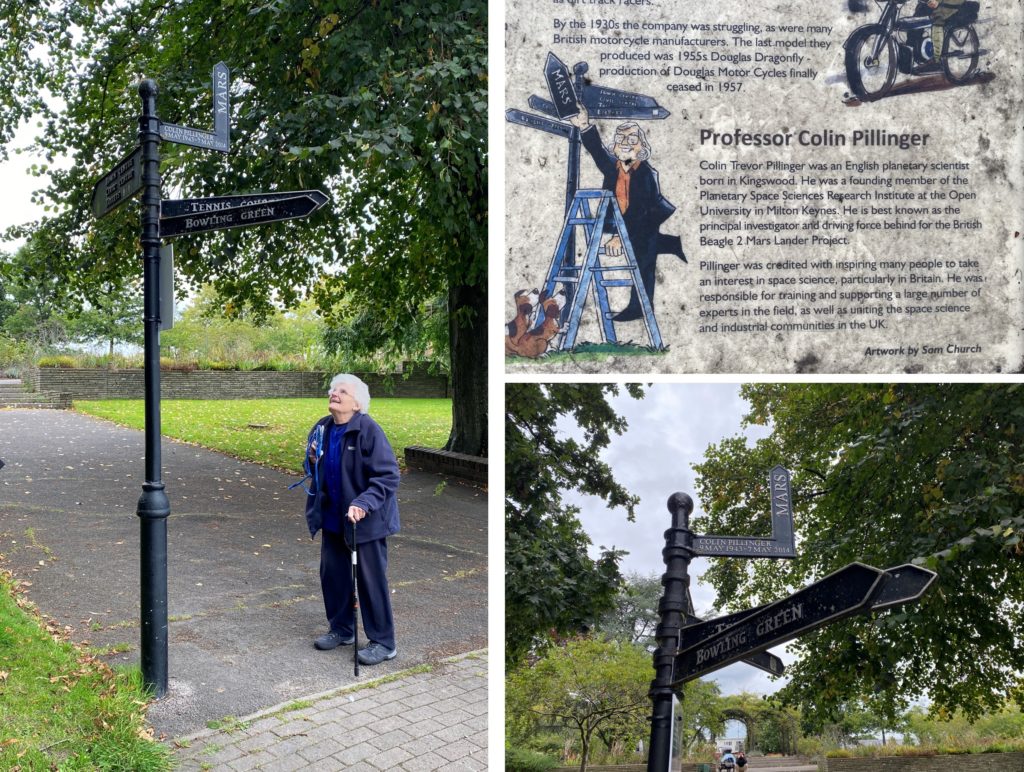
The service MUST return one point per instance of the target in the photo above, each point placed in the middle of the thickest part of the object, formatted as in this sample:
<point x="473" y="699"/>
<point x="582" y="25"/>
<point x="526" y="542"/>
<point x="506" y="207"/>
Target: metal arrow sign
<point x="903" y="584"/>
<point x="290" y="208"/>
<point x="220" y="138"/>
<point x="118" y="185"/>
<point x="539" y="122"/>
<point x="780" y="545"/>
<point x="185" y="206"/>
<point x="559" y="81"/>
<point x="700" y="629"/>
<point x="838" y="595"/>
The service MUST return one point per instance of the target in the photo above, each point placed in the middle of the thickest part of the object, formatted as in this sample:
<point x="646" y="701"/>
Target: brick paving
<point x="416" y="720"/>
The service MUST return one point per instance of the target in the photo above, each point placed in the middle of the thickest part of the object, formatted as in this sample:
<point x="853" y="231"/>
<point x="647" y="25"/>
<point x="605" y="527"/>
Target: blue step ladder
<point x="591" y="272"/>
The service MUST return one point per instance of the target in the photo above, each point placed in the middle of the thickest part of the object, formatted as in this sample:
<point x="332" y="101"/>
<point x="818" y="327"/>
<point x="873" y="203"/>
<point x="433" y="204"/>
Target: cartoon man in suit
<point x="634" y="182"/>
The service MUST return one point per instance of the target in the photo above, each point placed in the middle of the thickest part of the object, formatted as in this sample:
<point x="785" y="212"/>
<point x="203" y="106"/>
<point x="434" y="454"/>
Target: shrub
<point x="520" y="760"/>
<point x="57" y="360"/>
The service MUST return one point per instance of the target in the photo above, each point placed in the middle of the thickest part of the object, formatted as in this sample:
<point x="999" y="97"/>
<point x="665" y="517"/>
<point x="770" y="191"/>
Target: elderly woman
<point x="354" y="481"/>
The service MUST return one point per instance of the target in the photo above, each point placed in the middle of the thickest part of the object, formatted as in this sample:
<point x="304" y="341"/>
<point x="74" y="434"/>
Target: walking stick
<point x="355" y="600"/>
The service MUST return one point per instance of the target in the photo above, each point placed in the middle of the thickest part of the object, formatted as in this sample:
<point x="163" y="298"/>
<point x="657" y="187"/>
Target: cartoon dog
<point x="535" y="342"/>
<point x="526" y="304"/>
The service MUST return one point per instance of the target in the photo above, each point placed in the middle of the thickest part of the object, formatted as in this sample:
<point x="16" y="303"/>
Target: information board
<point x="845" y="200"/>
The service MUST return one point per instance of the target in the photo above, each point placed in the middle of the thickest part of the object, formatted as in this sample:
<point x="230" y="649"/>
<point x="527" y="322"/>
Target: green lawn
<point x="60" y="708"/>
<point x="273" y="432"/>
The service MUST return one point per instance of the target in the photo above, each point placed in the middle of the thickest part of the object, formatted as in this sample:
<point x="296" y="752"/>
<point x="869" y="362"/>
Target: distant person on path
<point x="741" y="760"/>
<point x="728" y="761"/>
<point x="354" y="477"/>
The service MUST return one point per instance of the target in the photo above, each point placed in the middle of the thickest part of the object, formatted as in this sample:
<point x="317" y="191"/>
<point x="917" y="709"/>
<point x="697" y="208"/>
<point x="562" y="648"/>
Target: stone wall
<point x="220" y="384"/>
<point x="977" y="762"/>
<point x="473" y="468"/>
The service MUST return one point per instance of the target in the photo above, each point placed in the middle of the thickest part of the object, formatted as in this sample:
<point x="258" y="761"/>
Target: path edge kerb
<point x="360" y="686"/>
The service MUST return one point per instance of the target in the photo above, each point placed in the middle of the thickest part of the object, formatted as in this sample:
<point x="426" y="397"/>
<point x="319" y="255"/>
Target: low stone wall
<point x="975" y="762"/>
<point x="220" y="384"/>
<point x="473" y="468"/>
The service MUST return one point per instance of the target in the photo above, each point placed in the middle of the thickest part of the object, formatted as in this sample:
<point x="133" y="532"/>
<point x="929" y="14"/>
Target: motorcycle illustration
<point x="875" y="52"/>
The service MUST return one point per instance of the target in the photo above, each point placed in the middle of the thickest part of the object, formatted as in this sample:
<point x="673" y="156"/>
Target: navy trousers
<point x="374" y="594"/>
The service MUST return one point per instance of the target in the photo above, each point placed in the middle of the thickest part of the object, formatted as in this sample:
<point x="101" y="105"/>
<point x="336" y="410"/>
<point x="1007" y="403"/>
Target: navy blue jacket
<point x="369" y="479"/>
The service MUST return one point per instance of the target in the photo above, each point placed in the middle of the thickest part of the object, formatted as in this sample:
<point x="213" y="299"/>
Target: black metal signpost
<point x="689" y="647"/>
<point x="140" y="171"/>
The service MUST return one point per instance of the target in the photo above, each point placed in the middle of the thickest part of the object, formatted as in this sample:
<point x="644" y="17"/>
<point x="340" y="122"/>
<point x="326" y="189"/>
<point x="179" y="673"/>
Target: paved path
<point x="244" y="592"/>
<point x="434" y="720"/>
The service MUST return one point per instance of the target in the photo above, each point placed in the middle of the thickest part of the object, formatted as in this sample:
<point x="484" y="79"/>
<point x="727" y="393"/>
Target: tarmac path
<point x="243" y="575"/>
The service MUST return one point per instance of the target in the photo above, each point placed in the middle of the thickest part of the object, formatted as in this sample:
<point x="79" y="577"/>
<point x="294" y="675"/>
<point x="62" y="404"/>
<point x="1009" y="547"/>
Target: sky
<point x="669" y="431"/>
<point x="16" y="206"/>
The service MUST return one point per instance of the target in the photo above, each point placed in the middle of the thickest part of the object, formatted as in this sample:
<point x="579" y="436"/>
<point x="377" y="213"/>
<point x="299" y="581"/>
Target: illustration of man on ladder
<point x="634" y="182"/>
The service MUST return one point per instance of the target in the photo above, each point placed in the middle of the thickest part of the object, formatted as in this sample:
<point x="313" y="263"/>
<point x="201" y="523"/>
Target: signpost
<point x="567" y="92"/>
<point x="220" y="138"/>
<point x="118" y="185"/>
<point x="689" y="647"/>
<point x="140" y="171"/>
<point x="836" y="596"/>
<point x="213" y="214"/>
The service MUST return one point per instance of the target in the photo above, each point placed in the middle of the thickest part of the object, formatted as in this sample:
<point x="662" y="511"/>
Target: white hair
<point x="362" y="391"/>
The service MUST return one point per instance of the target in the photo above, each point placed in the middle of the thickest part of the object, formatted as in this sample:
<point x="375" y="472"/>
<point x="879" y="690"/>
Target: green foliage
<point x="12" y="352"/>
<point x="635" y="616"/>
<point x="381" y="105"/>
<point x="887" y="474"/>
<point x="552" y="586"/>
<point x="278" y="438"/>
<point x="63" y="708"/>
<point x="522" y="760"/>
<point x="586" y="685"/>
<point x="958" y="730"/>
<point x="58" y="360"/>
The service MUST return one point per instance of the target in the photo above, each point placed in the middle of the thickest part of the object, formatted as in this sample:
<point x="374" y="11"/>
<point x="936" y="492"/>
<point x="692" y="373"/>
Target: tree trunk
<point x="585" y="754"/>
<point x="468" y="342"/>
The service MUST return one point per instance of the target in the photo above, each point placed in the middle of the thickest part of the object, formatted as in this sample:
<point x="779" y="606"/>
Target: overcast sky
<point x="669" y="430"/>
<point x="16" y="206"/>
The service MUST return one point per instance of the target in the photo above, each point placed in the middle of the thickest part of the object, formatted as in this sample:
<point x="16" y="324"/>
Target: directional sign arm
<point x="278" y="210"/>
<point x="697" y="629"/>
<point x="220" y="138"/>
<point x="903" y="584"/>
<point x="838" y="595"/>
<point x="539" y="122"/>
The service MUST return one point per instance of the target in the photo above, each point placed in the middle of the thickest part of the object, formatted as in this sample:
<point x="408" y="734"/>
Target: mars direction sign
<point x="300" y="204"/>
<point x="838" y="595"/>
<point x="780" y="545"/>
<point x="118" y="185"/>
<point x="559" y="81"/>
<point x="220" y="138"/>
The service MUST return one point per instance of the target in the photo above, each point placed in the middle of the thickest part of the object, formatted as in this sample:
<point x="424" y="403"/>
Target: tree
<point x="114" y="317"/>
<point x="584" y="685"/>
<point x="552" y="586"/>
<point x="635" y="616"/>
<point x="887" y="474"/>
<point x="382" y="105"/>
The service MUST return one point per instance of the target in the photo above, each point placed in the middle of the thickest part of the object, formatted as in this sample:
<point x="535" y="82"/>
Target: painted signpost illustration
<point x="618" y="224"/>
<point x="689" y="647"/>
<point x="139" y="171"/>
<point x="830" y="168"/>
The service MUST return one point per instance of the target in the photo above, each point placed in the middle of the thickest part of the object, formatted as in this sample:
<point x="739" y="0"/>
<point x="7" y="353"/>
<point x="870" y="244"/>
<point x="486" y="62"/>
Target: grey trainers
<point x="376" y="653"/>
<point x="332" y="640"/>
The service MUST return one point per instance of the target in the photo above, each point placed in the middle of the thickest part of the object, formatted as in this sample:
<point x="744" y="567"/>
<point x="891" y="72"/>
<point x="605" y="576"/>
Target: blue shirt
<point x="333" y="516"/>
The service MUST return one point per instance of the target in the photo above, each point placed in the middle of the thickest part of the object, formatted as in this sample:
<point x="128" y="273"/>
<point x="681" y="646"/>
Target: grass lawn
<point x="273" y="432"/>
<point x="60" y="708"/>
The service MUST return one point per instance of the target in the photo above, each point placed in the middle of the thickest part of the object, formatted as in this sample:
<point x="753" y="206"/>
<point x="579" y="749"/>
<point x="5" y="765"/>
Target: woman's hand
<point x="355" y="514"/>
